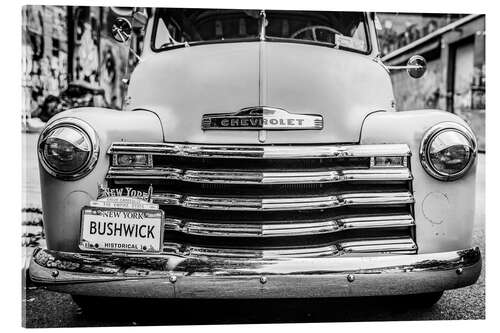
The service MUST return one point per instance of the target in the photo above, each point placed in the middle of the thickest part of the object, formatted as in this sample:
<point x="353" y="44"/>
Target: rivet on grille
<point x="55" y="273"/>
<point x="350" y="277"/>
<point x="460" y="270"/>
<point x="172" y="278"/>
<point x="263" y="279"/>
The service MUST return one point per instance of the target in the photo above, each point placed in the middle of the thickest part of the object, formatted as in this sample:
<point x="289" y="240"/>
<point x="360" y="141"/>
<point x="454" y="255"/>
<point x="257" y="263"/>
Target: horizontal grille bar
<point x="288" y="203"/>
<point x="260" y="152"/>
<point x="286" y="228"/>
<point x="257" y="177"/>
<point x="400" y="245"/>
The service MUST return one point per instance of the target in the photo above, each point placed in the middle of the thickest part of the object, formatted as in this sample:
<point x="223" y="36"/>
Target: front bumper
<point x="170" y="276"/>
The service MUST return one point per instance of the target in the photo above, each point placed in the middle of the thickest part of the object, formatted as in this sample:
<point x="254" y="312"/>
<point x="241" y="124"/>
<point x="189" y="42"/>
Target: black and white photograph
<point x="214" y="165"/>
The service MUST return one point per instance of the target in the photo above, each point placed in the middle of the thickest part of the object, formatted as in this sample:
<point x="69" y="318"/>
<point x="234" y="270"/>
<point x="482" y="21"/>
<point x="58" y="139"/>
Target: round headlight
<point x="447" y="151"/>
<point x="68" y="148"/>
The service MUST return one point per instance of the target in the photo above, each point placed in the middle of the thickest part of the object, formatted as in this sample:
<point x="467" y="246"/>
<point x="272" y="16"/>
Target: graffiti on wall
<point x="111" y="69"/>
<point x="113" y="61"/>
<point x="86" y="51"/>
<point x="60" y="51"/>
<point x="44" y="61"/>
<point x="95" y="59"/>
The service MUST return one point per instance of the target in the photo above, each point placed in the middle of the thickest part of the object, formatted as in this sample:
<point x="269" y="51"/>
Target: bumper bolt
<point x="263" y="279"/>
<point x="460" y="270"/>
<point x="172" y="278"/>
<point x="350" y="278"/>
<point x="55" y="273"/>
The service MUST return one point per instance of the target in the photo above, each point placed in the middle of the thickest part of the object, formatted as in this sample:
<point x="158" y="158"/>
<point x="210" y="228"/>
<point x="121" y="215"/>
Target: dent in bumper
<point x="185" y="277"/>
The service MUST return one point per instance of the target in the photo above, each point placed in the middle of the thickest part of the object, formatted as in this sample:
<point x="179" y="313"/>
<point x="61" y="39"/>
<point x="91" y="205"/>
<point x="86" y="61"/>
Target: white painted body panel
<point x="62" y="200"/>
<point x="181" y="85"/>
<point x="444" y="211"/>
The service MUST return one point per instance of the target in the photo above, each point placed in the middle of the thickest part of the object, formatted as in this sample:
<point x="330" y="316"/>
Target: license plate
<point x="121" y="230"/>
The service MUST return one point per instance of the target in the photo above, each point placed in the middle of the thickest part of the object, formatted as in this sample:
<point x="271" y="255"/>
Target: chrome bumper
<point x="187" y="277"/>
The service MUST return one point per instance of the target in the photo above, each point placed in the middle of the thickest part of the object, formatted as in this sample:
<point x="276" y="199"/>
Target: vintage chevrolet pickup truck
<point x="259" y="155"/>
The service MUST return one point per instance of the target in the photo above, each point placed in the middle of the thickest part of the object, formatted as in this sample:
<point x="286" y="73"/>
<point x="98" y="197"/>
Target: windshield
<point x="176" y="27"/>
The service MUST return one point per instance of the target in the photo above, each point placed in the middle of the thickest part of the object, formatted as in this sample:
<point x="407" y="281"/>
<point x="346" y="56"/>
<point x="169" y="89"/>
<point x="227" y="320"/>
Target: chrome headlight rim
<point x="429" y="137"/>
<point x="85" y="129"/>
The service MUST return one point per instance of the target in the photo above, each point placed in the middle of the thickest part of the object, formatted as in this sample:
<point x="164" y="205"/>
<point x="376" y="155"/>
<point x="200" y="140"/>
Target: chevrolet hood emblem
<point x="261" y="118"/>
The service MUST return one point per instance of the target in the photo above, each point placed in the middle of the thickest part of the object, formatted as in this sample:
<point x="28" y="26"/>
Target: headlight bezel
<point x="87" y="131"/>
<point x="427" y="141"/>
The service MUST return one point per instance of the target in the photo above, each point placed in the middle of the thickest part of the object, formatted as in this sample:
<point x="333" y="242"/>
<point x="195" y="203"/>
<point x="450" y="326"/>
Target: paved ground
<point x="49" y="309"/>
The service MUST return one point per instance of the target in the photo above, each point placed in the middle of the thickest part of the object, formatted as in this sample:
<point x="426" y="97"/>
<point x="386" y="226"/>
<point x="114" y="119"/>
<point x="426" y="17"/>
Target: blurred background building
<point x="454" y="47"/>
<point x="69" y="53"/>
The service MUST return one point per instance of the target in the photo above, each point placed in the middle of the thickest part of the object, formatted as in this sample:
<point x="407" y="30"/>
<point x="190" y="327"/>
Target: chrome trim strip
<point x="258" y="177"/>
<point x="172" y="276"/>
<point x="400" y="245"/>
<point x="286" y="228"/>
<point x="289" y="203"/>
<point x="405" y="245"/>
<point x="304" y="252"/>
<point x="276" y="152"/>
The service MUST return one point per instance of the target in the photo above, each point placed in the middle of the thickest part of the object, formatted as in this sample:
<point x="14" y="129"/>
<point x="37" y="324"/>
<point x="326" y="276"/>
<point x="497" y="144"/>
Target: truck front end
<point x="259" y="157"/>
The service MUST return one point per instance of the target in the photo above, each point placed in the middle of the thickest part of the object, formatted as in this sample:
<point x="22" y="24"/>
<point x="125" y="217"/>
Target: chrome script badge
<point x="261" y="118"/>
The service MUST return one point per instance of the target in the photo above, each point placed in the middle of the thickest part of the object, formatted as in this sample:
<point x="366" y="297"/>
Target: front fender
<point x="444" y="211"/>
<point x="60" y="198"/>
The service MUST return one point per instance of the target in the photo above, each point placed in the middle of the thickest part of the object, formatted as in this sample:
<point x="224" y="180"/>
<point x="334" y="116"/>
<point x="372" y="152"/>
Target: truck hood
<point x="182" y="85"/>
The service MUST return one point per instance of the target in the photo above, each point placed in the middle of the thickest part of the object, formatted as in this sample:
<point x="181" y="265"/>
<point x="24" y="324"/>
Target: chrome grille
<point x="283" y="203"/>
<point x="296" y="200"/>
<point x="286" y="228"/>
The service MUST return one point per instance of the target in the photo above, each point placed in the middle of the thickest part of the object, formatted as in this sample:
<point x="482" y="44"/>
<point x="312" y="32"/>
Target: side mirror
<point x="416" y="66"/>
<point x="121" y="30"/>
